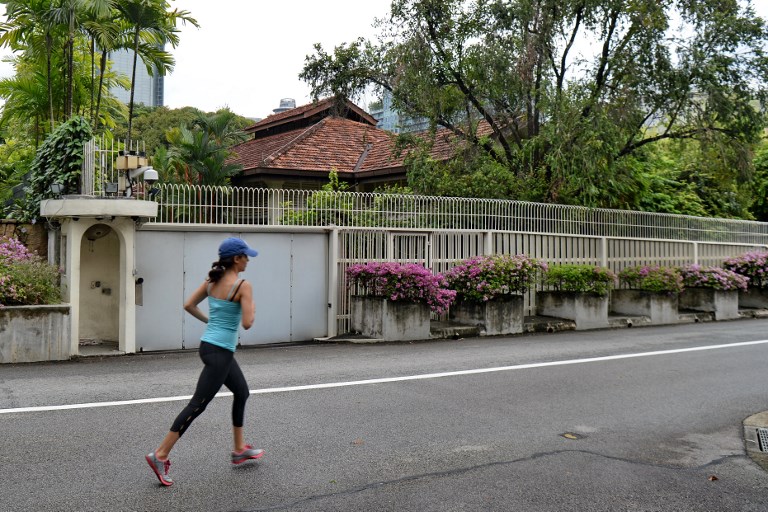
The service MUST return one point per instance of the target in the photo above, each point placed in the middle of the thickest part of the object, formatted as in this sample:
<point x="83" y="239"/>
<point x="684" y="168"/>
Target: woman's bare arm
<point x="190" y="305"/>
<point x="245" y="298"/>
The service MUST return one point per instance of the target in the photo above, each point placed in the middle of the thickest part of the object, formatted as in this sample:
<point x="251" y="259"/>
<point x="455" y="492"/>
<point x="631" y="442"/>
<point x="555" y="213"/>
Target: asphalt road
<point x="645" y="419"/>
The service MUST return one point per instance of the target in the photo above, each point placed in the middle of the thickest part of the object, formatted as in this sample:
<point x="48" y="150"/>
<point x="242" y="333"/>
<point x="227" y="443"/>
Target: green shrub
<point x="652" y="278"/>
<point x="580" y="278"/>
<point x="58" y="160"/>
<point x="25" y="279"/>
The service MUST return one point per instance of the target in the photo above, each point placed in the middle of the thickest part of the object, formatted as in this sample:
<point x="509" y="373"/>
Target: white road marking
<point x="386" y="380"/>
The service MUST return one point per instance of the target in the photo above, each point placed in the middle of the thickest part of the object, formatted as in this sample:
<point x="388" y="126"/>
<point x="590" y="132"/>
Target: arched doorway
<point x="99" y="323"/>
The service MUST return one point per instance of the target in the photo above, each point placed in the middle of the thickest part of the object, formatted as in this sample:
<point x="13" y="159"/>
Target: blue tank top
<point x="223" y="320"/>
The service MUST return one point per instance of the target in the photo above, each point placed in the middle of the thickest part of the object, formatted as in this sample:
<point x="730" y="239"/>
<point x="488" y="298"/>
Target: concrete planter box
<point x="588" y="310"/>
<point x="724" y="304"/>
<point x="659" y="307"/>
<point x="754" y="298"/>
<point x="503" y="315"/>
<point x="34" y="333"/>
<point x="388" y="320"/>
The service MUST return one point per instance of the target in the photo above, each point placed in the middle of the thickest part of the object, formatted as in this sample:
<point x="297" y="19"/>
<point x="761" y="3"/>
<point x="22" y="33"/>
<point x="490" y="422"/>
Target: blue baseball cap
<point x="233" y="246"/>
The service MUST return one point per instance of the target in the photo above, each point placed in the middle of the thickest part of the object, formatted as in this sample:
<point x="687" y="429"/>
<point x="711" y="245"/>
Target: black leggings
<point x="220" y="368"/>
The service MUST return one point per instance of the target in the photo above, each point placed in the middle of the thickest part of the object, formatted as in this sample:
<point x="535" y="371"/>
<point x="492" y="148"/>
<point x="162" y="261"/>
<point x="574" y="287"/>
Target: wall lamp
<point x="56" y="189"/>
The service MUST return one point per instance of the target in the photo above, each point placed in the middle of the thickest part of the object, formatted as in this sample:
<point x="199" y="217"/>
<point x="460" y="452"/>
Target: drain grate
<point x="762" y="439"/>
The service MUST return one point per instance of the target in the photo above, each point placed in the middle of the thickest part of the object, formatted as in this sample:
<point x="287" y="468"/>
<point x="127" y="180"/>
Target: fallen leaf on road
<point x="712" y="478"/>
<point x="357" y="442"/>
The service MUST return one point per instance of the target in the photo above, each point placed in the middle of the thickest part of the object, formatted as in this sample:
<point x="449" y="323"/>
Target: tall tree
<point x="67" y="14"/>
<point x="29" y="27"/>
<point x="152" y="23"/>
<point x="571" y="92"/>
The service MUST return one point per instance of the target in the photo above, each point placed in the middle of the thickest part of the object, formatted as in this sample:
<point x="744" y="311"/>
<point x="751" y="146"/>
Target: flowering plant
<point x="653" y="278"/>
<point x="753" y="265"/>
<point x="580" y="278"/>
<point x="25" y="279"/>
<point x="406" y="282"/>
<point x="712" y="277"/>
<point x="483" y="278"/>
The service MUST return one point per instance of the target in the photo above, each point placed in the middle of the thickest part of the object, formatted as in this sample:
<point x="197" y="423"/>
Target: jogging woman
<point x="230" y="302"/>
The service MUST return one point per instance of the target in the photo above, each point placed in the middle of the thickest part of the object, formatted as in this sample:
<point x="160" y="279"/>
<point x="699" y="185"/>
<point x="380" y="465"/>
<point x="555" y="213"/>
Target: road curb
<point x="751" y="438"/>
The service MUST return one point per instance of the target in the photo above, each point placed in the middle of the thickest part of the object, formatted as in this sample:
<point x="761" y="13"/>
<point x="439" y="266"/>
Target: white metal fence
<point x="438" y="232"/>
<point x="187" y="204"/>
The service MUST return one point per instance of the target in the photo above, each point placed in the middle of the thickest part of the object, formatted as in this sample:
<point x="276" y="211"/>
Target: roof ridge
<point x="303" y="135"/>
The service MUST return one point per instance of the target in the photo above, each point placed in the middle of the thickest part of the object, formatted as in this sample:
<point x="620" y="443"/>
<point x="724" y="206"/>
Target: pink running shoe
<point x="249" y="452"/>
<point x="160" y="467"/>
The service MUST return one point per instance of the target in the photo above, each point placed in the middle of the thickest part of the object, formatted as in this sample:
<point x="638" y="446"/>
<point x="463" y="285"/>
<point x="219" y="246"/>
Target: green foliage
<point x="152" y="124"/>
<point x="562" y="127"/>
<point x="652" y="278"/>
<point x="16" y="157"/>
<point x="324" y="208"/>
<point x="759" y="184"/>
<point x="200" y="151"/>
<point x="580" y="278"/>
<point x="25" y="279"/>
<point x="58" y="160"/>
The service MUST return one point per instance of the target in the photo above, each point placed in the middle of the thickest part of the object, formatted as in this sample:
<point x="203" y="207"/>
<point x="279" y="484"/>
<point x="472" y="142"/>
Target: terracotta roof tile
<point x="294" y="112"/>
<point x="332" y="143"/>
<point x="305" y="113"/>
<point x="335" y="143"/>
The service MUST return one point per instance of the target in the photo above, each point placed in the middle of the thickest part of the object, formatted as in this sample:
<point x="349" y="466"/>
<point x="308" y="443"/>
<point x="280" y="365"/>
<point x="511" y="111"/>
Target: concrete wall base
<point x="588" y="310"/>
<point x="724" y="304"/>
<point x="388" y="320"/>
<point x="659" y="307"/>
<point x="34" y="333"/>
<point x="504" y="315"/>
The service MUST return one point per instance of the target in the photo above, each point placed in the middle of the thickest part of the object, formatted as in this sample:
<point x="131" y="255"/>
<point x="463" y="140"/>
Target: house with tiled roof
<point x="298" y="148"/>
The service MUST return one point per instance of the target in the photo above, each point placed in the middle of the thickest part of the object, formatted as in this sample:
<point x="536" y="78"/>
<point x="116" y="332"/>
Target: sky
<point x="247" y="54"/>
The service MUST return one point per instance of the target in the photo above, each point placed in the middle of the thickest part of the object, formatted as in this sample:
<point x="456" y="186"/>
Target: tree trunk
<point x="93" y="74"/>
<point x="133" y="82"/>
<point x="48" y="43"/>
<point x="102" y="68"/>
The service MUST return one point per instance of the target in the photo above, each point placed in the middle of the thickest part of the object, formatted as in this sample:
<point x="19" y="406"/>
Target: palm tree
<point x="152" y="24"/>
<point x="29" y="27"/>
<point x="67" y="15"/>
<point x="201" y="154"/>
<point x="25" y="98"/>
<point x="103" y="31"/>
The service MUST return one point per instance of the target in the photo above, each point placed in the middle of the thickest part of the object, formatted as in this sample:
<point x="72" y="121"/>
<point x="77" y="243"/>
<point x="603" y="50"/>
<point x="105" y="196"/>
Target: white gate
<point x="289" y="278"/>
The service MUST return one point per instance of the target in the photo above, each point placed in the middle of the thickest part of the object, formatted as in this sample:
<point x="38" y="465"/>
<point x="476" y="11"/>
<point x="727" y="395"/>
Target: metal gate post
<point x="333" y="280"/>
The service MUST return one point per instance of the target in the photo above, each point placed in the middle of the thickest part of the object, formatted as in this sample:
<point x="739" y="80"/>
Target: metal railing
<point x="100" y="176"/>
<point x="188" y="204"/>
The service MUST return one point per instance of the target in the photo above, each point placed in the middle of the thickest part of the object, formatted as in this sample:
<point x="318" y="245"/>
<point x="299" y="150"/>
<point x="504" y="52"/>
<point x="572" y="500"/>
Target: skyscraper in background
<point x="149" y="89"/>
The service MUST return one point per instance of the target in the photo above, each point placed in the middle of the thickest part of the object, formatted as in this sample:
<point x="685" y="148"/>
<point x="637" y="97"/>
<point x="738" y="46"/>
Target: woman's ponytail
<point x="219" y="267"/>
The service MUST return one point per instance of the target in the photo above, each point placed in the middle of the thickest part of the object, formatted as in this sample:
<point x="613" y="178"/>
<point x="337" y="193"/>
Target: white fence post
<point x="603" y="252"/>
<point x="488" y="243"/>
<point x="333" y="280"/>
